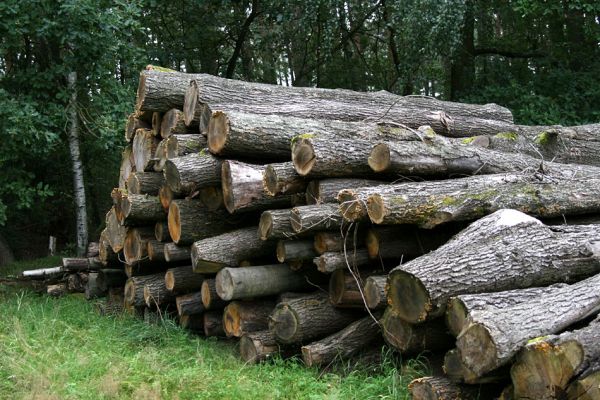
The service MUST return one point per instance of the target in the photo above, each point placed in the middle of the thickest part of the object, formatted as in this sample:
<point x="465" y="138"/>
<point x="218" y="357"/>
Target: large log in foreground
<point x="494" y="336"/>
<point x="505" y="250"/>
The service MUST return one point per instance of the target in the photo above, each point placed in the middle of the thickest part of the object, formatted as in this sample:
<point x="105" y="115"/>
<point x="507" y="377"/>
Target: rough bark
<point x="141" y="209"/>
<point x="353" y="202"/>
<point x="243" y="188"/>
<point x="227" y="250"/>
<point x="194" y="110"/>
<point x="327" y="190"/>
<point x="161" y="91"/>
<point x="161" y="231"/>
<point x="329" y="262"/>
<point x="190" y="172"/>
<point x="326" y="242"/>
<point x="173" y="123"/>
<point x="145" y="183"/>
<point x="210" y="298"/>
<point x="544" y="368"/>
<point x="156" y="293"/>
<point x="175" y="253"/>
<point x="178" y="145"/>
<point x="275" y="224"/>
<point x="455" y="370"/>
<point x="549" y="194"/>
<point x="342" y="344"/>
<point x="133" y="124"/>
<point x="405" y="242"/>
<point x="346" y="289"/>
<point x="493" y="337"/>
<point x="115" y="232"/>
<point x="127" y="166"/>
<point x="307" y="318"/>
<point x="288" y="250"/>
<point x="503" y="251"/>
<point x="156" y="251"/>
<point x="213" y="323"/>
<point x="110" y="278"/>
<point x="134" y="288"/>
<point x="183" y="279"/>
<point x="258" y="281"/>
<point x="188" y="304"/>
<point x="144" y="148"/>
<point x="73" y="264"/>
<point x="316" y="217"/>
<point x="282" y="178"/>
<point x="260" y="346"/>
<point x="375" y="292"/>
<point x="248" y="316"/>
<point x="441" y="388"/>
<point x="413" y="339"/>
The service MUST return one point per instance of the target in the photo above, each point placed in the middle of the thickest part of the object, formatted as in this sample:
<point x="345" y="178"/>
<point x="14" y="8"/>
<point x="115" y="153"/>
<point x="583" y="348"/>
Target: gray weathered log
<point x="115" y="232"/>
<point x="345" y="288"/>
<point x="161" y="91"/>
<point x="353" y="202"/>
<point x="282" y="178"/>
<point x="329" y="262"/>
<point x="288" y="250"/>
<point x="133" y="124"/>
<point x="141" y="209"/>
<point x="178" y="145"/>
<point x="190" y="172"/>
<point x="457" y="372"/>
<point x="327" y="190"/>
<point x="173" y="124"/>
<point x="156" y="121"/>
<point x="183" y="279"/>
<point x="315" y="218"/>
<point x="241" y="317"/>
<point x="188" y="304"/>
<point x="144" y="148"/>
<point x="405" y="242"/>
<point x="157" y="294"/>
<point x="276" y="224"/>
<point x="107" y="256"/>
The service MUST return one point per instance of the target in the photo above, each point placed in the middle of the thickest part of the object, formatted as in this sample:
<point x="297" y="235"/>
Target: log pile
<point x="317" y="222"/>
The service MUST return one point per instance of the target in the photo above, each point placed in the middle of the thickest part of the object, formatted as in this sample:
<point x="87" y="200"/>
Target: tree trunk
<point x="213" y="323"/>
<point x="190" y="221"/>
<point x="260" y="346"/>
<point x="330" y="262"/>
<point x="141" y="209"/>
<point x="257" y="281"/>
<point x="189" y="304"/>
<point x="77" y="165"/>
<point x="127" y="166"/>
<point x="156" y="293"/>
<point x="327" y="190"/>
<point x="145" y="183"/>
<point x="192" y="322"/>
<point x="243" y="188"/>
<point x="405" y="242"/>
<point x="288" y="250"/>
<point x="307" y="318"/>
<point x="162" y="91"/>
<point x="173" y="123"/>
<point x="275" y="224"/>
<point x="494" y="336"/>
<point x="544" y="368"/>
<point x="133" y="124"/>
<point x="144" y="148"/>
<point x="174" y="253"/>
<point x="441" y="388"/>
<point x="316" y="217"/>
<point x="183" y="279"/>
<point x="161" y="232"/>
<point x="227" y="250"/>
<point x="413" y="339"/>
<point x="110" y="278"/>
<point x="375" y="292"/>
<point x="210" y="298"/>
<point x="187" y="173"/>
<point x="244" y="317"/>
<point x="431" y="203"/>
<point x="282" y="178"/>
<point x="506" y="250"/>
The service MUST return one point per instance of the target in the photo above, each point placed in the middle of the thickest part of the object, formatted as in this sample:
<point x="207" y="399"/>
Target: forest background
<point x="540" y="58"/>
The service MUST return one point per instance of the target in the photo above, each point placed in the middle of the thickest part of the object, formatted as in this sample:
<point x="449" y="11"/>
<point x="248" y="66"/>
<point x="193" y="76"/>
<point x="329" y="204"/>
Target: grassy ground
<point x="60" y="349"/>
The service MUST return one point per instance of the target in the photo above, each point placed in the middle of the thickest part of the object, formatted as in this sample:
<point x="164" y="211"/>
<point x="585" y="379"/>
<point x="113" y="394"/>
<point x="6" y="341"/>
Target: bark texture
<point x="275" y="224"/>
<point x="174" y="253"/>
<point x="330" y="262"/>
<point x="327" y="190"/>
<point x="244" y="317"/>
<point x="183" y="279"/>
<point x="134" y="288"/>
<point x="282" y="178"/>
<point x="316" y="217"/>
<point x="441" y="388"/>
<point x="145" y="183"/>
<point x="189" y="304"/>
<point x="141" y="209"/>
<point x="190" y="172"/>
<point x="288" y="250"/>
<point x="172" y="123"/>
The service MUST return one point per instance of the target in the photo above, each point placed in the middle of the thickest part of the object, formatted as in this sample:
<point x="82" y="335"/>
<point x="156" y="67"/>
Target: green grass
<point x="61" y="349"/>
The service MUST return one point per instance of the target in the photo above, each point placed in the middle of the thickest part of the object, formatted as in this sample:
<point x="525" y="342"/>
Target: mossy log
<point x="188" y="304"/>
<point x="545" y="367"/>
<point x="140" y="209"/>
<point x="241" y="317"/>
<point x="188" y="173"/>
<point x="174" y="253"/>
<point x="318" y="217"/>
<point x="157" y="294"/>
<point x="494" y="336"/>
<point x="110" y="278"/>
<point x="288" y="250"/>
<point x="330" y="262"/>
<point x="115" y="232"/>
<point x="183" y="279"/>
<point x="343" y="344"/>
<point x="375" y="292"/>
<point x="261" y="346"/>
<point x="282" y="178"/>
<point x="144" y="148"/>
<point x="213" y="323"/>
<point x="227" y="250"/>
<point x="258" y="281"/>
<point x="210" y="297"/>
<point x="134" y="288"/>
<point x="327" y="190"/>
<point x="442" y="388"/>
<point x="307" y="318"/>
<point x="145" y="183"/>
<point x="503" y="251"/>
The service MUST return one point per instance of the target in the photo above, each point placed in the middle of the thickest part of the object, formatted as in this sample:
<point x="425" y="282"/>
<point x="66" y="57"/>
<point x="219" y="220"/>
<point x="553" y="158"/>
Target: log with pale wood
<point x="140" y="209"/>
<point x="307" y="318"/>
<point x="156" y="251"/>
<point x="156" y="121"/>
<point x="327" y="242"/>
<point x="115" y="232"/>
<point x="188" y="173"/>
<point x="587" y="386"/>
<point x="503" y="251"/>
<point x="174" y="253"/>
<point x="183" y="279"/>
<point x="405" y="242"/>
<point x="107" y="256"/>
<point x="74" y="264"/>
<point x="133" y="124"/>
<point x="135" y="247"/>
<point x="412" y="339"/>
<point x="192" y="322"/>
<point x="127" y="166"/>
<point x="178" y="145"/>
<point x="276" y="224"/>
<point x="172" y="123"/>
<point x="258" y="281"/>
<point x="145" y="183"/>
<point x="375" y="292"/>
<point x="188" y="304"/>
<point x="282" y="178"/>
<point x="143" y="149"/>
<point x="240" y="317"/>
<point x="456" y="371"/>
<point x="346" y="287"/>
<point x="210" y="298"/>
<point x="318" y="217"/>
<point x="166" y="195"/>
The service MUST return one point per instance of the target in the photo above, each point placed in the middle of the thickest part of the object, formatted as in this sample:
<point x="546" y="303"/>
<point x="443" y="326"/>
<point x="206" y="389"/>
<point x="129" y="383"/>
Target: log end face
<point x="407" y="297"/>
<point x="141" y="93"/>
<point x="376" y="208"/>
<point x="284" y="324"/>
<point x="172" y="177"/>
<point x="371" y="292"/>
<point x="129" y="293"/>
<point x="477" y="350"/>
<point x="280" y="251"/>
<point x="227" y="182"/>
<point x="456" y="316"/>
<point x="224" y="284"/>
<point x="372" y="244"/>
<point x="218" y="131"/>
<point x="205" y="294"/>
<point x="231" y="320"/>
<point x="379" y="159"/>
<point x="337" y="286"/>
<point x="265" y="227"/>
<point x="308" y="357"/>
<point x="396" y="332"/>
<point x="174" y="222"/>
<point x="169" y="281"/>
<point x="190" y="102"/>
<point x="270" y="183"/>
<point x="303" y="156"/>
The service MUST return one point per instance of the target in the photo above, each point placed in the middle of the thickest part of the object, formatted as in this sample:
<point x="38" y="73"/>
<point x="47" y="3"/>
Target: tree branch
<point x="241" y="39"/>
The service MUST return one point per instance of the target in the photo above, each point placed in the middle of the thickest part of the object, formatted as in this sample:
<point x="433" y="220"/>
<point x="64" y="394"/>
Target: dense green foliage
<point x="539" y="58"/>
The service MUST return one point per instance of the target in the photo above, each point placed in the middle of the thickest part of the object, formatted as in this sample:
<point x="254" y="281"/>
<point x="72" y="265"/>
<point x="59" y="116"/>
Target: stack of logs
<point x="318" y="221"/>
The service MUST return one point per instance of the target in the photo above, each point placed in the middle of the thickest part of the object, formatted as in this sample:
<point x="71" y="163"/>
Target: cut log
<point x="127" y="166"/>
<point x="329" y="262"/>
<point x="210" y="298"/>
<point x="192" y="322"/>
<point x="177" y="146"/>
<point x="187" y="173"/>
<point x="109" y="278"/>
<point x="135" y="248"/>
<point x="315" y="218"/>
<point x="156" y="121"/>
<point x="282" y="178"/>
<point x="161" y="91"/>
<point x="159" y="159"/>
<point x="375" y="292"/>
<point x="544" y="368"/>
<point x="156" y="294"/>
<point x="307" y="318"/>
<point x="194" y="110"/>
<point x="405" y="242"/>
<point x="188" y="304"/>
<point x="288" y="250"/>
<point x="145" y="183"/>
<point x="260" y="346"/>
<point x="92" y="289"/>
<point x="134" y="288"/>
<point x="503" y="251"/>
<point x="353" y="202"/>
<point x="413" y="339"/>
<point x="327" y="242"/>
<point x="457" y="372"/>
<point x="143" y="148"/>
<point x="174" y="253"/>
<point x="133" y="124"/>
<point x="107" y="256"/>
<point x="243" y="188"/>
<point x="115" y="232"/>
<point x="275" y="224"/>
<point x="257" y="281"/>
<point x="244" y="317"/>
<point x="441" y="388"/>
<point x="183" y="279"/>
<point x="161" y="231"/>
<point x="494" y="336"/>
<point x="190" y="221"/>
<point x="166" y="195"/>
<point x="587" y="387"/>
<point x="213" y="323"/>
<point x="227" y="250"/>
<point x="57" y="290"/>
<point x="140" y="209"/>
<point x="211" y="197"/>
<point x="74" y="264"/>
<point x="327" y="190"/>
<point x="345" y="288"/>
<point x="343" y="344"/>
<point x="172" y="123"/>
<point x="156" y="251"/>
<point x="461" y="307"/>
